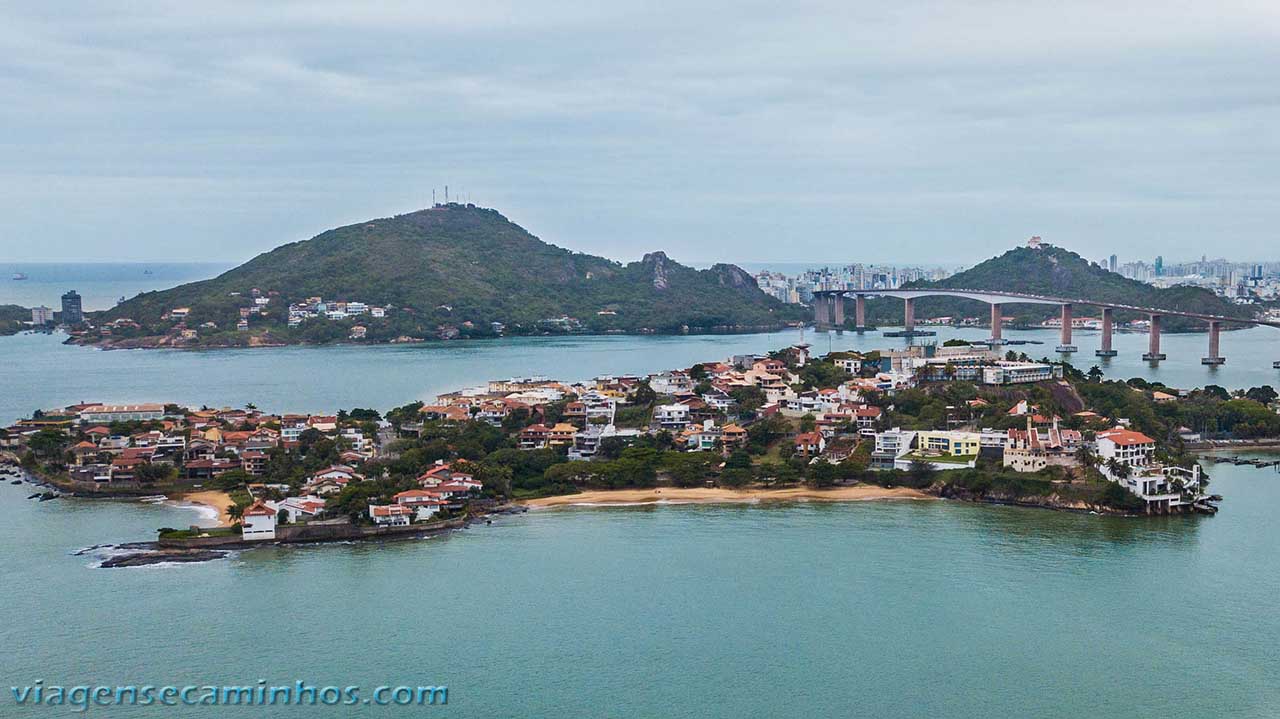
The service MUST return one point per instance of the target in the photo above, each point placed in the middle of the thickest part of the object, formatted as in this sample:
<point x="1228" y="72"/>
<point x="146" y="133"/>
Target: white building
<point x="1004" y="372"/>
<point x="258" y="522"/>
<point x="108" y="413"/>
<point x="671" y="416"/>
<point x="300" y="508"/>
<point x="41" y="315"/>
<point x="670" y="382"/>
<point x="1126" y="446"/>
<point x="390" y="515"/>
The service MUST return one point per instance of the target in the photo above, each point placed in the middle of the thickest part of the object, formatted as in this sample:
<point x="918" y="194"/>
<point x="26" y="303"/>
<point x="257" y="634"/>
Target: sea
<point x="873" y="609"/>
<point x="869" y="609"/>
<point x="101" y="285"/>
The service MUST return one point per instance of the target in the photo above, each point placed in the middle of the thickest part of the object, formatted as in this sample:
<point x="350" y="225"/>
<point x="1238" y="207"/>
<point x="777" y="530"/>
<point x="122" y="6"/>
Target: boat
<point x="19" y="276"/>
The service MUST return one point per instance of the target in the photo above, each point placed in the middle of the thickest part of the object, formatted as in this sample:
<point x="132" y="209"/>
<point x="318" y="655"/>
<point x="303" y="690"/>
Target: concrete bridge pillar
<point x="1107" y="325"/>
<point x="1153" y="348"/>
<point x="821" y="318"/>
<point x="860" y="312"/>
<point x="997" y="325"/>
<point x="908" y="314"/>
<point x="1214" y="358"/>
<point x="1066" y="345"/>
<point x="837" y="307"/>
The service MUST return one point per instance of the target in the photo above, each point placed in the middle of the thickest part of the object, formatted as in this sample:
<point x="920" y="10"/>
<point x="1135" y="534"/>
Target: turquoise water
<point x="880" y="609"/>
<point x="40" y="372"/>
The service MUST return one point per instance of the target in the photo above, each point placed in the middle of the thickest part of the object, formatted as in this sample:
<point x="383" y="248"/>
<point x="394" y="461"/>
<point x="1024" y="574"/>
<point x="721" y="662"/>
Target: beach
<point x="215" y="499"/>
<point x="710" y="495"/>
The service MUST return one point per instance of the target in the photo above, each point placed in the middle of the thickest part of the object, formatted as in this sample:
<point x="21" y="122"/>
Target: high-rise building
<point x="41" y="315"/>
<point x="1159" y="265"/>
<point x="72" y="309"/>
<point x="1113" y="263"/>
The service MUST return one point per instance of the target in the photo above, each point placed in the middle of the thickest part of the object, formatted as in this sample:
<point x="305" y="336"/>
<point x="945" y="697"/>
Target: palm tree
<point x="236" y="512"/>
<point x="1086" y="458"/>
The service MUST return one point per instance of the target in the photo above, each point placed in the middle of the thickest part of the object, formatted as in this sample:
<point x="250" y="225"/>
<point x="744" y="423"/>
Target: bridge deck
<point x="998" y="297"/>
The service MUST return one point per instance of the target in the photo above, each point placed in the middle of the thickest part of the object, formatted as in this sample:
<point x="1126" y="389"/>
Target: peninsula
<point x="955" y="421"/>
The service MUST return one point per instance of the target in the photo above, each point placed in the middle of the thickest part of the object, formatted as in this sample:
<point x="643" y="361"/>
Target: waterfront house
<point x="258" y="522"/>
<point x="1126" y="446"/>
<point x="424" y="503"/>
<point x="390" y="515"/>
<point x="301" y="508"/>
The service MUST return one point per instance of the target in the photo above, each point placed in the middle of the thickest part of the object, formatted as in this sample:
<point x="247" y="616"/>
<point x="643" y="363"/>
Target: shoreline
<point x="205" y="501"/>
<point x="167" y="342"/>
<point x="707" y="495"/>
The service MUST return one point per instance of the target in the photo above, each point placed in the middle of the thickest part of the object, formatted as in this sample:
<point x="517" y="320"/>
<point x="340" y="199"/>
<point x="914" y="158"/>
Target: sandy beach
<point x="708" y="495"/>
<point x="216" y="499"/>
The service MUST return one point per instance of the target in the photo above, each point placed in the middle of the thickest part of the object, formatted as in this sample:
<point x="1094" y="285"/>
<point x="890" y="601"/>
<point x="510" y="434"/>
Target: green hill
<point x="452" y="271"/>
<point x="13" y="319"/>
<point x="1055" y="272"/>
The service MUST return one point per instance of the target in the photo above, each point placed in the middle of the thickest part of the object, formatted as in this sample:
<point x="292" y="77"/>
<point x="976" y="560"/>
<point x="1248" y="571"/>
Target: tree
<point x="920" y="470"/>
<point x="1095" y="374"/>
<point x="807" y="423"/>
<point x="822" y="474"/>
<point x="1266" y="394"/>
<point x="610" y="448"/>
<point x="236" y="512"/>
<point x="1217" y="392"/>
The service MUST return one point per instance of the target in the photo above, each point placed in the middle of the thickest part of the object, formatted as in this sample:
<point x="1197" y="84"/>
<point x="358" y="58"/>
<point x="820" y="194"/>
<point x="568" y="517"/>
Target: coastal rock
<point x="142" y="559"/>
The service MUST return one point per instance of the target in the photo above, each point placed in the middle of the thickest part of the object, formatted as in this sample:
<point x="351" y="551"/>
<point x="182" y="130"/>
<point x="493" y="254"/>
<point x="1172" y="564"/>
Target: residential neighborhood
<point x="927" y="416"/>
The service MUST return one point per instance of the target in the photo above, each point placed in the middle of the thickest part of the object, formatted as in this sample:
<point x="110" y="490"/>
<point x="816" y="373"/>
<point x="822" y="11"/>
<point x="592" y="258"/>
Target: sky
<point x="910" y="132"/>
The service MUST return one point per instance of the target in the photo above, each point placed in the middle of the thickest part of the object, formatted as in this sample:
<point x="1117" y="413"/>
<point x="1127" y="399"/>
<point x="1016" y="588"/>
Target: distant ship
<point x="146" y="272"/>
<point x="19" y="276"/>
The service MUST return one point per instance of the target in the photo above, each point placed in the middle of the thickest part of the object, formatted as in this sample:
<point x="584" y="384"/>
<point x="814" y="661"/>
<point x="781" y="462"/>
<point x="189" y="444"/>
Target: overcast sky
<point x="849" y="131"/>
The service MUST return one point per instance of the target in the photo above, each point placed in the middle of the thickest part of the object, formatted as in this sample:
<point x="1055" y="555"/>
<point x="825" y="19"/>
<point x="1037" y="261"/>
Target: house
<point x="810" y="444"/>
<point x="339" y="473"/>
<point x="671" y="416"/>
<point x="733" y="436"/>
<point x="890" y="445"/>
<point x="390" y="515"/>
<point x="850" y="362"/>
<point x="208" y="468"/>
<point x="85" y="453"/>
<point x="424" y="503"/>
<point x="447" y="413"/>
<point x="1032" y="449"/>
<point x="1126" y="446"/>
<point x="300" y="508"/>
<point x="670" y="382"/>
<point x="254" y="463"/>
<point x="701" y="437"/>
<point x="258" y="522"/>
<point x="535" y="436"/>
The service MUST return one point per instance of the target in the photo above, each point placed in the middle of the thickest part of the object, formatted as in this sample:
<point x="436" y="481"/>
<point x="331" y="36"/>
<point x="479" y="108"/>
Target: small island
<point x="954" y="421"/>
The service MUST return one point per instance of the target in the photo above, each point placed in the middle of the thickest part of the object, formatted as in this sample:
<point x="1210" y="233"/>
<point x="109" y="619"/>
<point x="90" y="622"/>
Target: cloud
<point x="911" y="131"/>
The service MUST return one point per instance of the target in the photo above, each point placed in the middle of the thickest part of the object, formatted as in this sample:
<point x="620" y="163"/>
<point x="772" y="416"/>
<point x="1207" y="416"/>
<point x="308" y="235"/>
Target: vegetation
<point x="453" y="271"/>
<point x="13" y="319"/>
<point x="1056" y="272"/>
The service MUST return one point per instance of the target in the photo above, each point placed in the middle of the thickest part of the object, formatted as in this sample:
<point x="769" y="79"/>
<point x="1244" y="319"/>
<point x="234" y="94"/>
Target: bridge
<point x="829" y="306"/>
